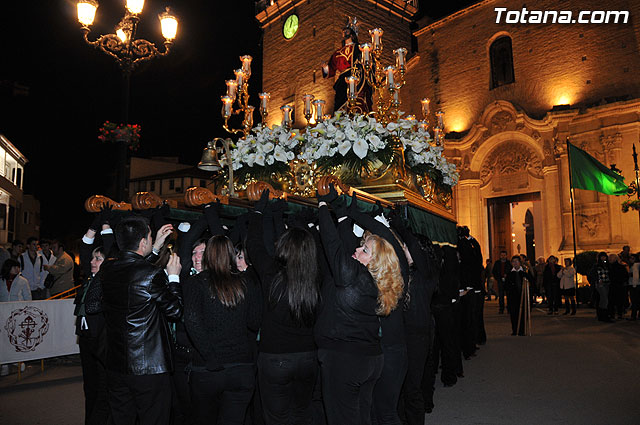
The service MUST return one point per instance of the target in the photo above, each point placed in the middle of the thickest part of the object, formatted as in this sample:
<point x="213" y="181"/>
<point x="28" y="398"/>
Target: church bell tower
<point x="300" y="35"/>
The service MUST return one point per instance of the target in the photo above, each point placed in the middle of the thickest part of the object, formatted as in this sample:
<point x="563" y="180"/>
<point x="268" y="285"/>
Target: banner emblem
<point x="26" y="327"/>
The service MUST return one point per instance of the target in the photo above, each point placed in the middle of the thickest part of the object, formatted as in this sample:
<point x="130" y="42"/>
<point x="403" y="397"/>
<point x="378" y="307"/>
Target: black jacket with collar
<point x="348" y="322"/>
<point x="136" y="299"/>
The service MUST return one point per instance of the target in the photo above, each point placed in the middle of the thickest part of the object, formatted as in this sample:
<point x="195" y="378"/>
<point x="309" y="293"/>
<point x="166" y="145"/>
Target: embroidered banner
<point x="31" y="330"/>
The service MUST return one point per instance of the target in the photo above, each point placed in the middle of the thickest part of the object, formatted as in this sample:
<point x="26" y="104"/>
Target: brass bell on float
<point x="209" y="160"/>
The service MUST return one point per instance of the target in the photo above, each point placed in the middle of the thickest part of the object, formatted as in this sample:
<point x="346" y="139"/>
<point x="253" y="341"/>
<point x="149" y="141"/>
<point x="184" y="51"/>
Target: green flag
<point x="590" y="174"/>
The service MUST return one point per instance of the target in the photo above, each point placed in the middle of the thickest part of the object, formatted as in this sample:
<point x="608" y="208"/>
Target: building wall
<point x="512" y="140"/>
<point x="28" y="218"/>
<point x="553" y="63"/>
<point x="289" y="66"/>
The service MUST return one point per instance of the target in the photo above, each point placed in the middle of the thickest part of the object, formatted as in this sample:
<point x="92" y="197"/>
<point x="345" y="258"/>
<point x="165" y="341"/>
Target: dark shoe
<point x="460" y="375"/>
<point x="565" y="313"/>
<point x="501" y="312"/>
<point x="573" y="312"/>
<point x="550" y="313"/>
<point x="513" y="334"/>
<point x="429" y="409"/>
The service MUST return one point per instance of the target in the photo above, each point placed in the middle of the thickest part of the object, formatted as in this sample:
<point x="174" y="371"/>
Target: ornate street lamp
<point x="128" y="51"/>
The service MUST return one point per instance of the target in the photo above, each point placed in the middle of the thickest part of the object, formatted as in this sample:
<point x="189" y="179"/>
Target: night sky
<point x="56" y="91"/>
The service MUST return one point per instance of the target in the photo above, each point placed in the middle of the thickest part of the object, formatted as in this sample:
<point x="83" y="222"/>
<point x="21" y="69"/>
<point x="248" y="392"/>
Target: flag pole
<point x="635" y="168"/>
<point x="573" y="221"/>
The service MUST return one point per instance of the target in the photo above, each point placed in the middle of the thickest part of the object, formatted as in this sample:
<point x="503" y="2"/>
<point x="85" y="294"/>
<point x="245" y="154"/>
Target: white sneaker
<point x="4" y="370"/>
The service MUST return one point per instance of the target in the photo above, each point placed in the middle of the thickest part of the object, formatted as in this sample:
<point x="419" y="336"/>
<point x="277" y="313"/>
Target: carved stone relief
<point x="592" y="220"/>
<point x="500" y="121"/>
<point x="611" y="141"/>
<point x="511" y="160"/>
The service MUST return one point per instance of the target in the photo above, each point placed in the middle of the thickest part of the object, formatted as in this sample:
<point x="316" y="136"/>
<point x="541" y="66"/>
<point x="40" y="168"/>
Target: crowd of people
<point x="41" y="270"/>
<point x="319" y="316"/>
<point x="614" y="283"/>
<point x="324" y="316"/>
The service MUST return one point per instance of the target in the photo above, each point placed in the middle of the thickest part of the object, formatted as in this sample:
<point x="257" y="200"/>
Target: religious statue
<point x="340" y="66"/>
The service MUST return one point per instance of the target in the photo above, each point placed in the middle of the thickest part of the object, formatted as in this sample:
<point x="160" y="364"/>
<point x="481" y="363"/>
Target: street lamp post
<point x="128" y="51"/>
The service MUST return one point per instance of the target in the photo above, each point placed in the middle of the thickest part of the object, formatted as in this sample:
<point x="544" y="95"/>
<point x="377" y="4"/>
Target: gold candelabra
<point x="238" y="94"/>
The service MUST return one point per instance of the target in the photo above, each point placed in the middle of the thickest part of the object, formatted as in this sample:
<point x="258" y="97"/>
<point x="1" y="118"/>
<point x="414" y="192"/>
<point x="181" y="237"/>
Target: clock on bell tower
<point x="299" y="36"/>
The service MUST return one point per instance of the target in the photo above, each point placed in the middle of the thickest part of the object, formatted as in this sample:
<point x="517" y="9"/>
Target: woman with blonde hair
<point x="366" y="284"/>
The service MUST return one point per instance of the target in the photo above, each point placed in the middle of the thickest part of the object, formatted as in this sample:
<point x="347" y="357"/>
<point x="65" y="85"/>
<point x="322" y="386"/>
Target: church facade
<point x="511" y="93"/>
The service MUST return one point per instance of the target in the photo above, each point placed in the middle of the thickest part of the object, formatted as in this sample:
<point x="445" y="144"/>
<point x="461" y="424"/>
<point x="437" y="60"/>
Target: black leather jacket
<point x="136" y="299"/>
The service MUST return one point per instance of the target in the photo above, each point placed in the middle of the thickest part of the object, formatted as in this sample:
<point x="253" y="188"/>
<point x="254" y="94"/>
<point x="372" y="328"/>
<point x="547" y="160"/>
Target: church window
<point x="501" y="57"/>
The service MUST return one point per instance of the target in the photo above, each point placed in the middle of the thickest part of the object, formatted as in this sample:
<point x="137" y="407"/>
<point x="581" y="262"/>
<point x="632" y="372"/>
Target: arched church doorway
<point x="515" y="225"/>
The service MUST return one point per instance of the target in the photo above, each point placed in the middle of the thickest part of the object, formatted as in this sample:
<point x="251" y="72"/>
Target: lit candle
<point x="440" y="116"/>
<point x="400" y="53"/>
<point x="396" y="97"/>
<point x="438" y="133"/>
<point x="232" y="88"/>
<point x="319" y="104"/>
<point x="411" y="117"/>
<point x="366" y="54"/>
<point x="264" y="102"/>
<point x="390" y="70"/>
<point x="286" y="115"/>
<point x="307" y="99"/>
<point x="376" y="38"/>
<point x="246" y="64"/>
<point x="240" y="77"/>
<point x="425" y="106"/>
<point x="352" y="86"/>
<point x="226" y="106"/>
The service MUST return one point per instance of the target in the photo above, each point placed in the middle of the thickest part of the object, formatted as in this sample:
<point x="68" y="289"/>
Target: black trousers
<point x="94" y="382"/>
<point x="501" y="294"/>
<point x="347" y="385"/>
<point x="286" y="384"/>
<point x="145" y="397"/>
<point x="446" y="343"/>
<point x="480" y="334"/>
<point x="222" y="397"/>
<point x="386" y="391"/>
<point x="634" y="294"/>
<point x="182" y="411"/>
<point x="553" y="297"/>
<point x="467" y="323"/>
<point x="418" y="348"/>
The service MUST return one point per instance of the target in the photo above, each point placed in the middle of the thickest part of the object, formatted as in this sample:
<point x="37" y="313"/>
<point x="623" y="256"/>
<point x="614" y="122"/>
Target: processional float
<point x="383" y="156"/>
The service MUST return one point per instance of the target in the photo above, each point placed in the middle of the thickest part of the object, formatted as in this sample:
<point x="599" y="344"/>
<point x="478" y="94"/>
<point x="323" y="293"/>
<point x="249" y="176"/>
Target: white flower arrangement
<point x="356" y="142"/>
<point x="264" y="147"/>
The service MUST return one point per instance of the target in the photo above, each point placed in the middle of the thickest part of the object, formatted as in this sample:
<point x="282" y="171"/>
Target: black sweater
<point x="348" y="321"/>
<point x="423" y="282"/>
<point x="219" y="334"/>
<point x="280" y="332"/>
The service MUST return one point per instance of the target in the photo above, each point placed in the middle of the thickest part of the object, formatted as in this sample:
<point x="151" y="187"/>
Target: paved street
<point x="574" y="370"/>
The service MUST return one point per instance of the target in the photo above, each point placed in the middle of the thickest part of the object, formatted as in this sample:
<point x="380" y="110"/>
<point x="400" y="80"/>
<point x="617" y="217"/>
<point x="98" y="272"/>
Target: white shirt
<point x="20" y="290"/>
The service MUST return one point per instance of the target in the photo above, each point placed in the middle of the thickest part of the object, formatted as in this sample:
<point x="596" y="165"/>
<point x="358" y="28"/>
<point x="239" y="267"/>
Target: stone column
<point x="612" y="149"/>
<point x="470" y="211"/>
<point x="551" y="207"/>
